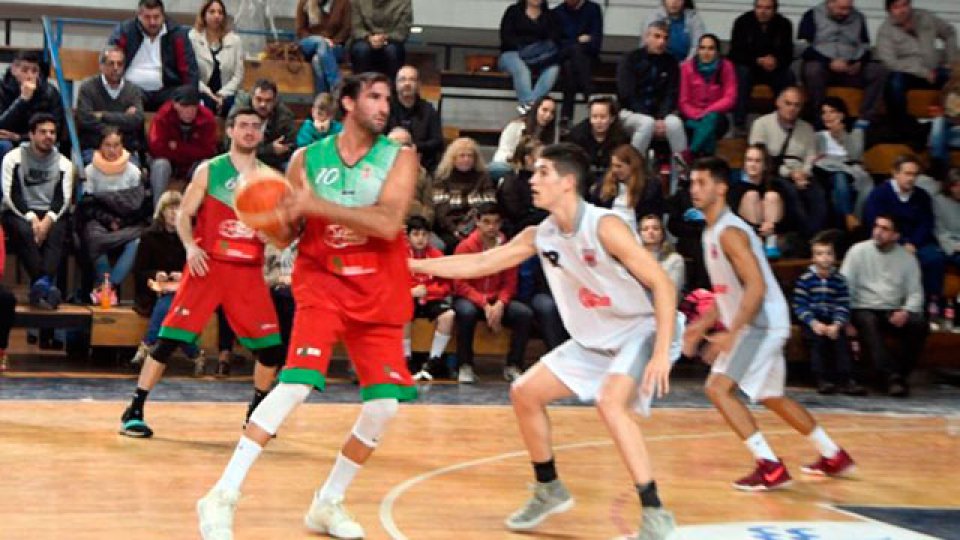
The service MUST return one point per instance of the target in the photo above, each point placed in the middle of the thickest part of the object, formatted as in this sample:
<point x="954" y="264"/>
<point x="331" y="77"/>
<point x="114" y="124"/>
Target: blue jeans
<point x="386" y="60"/>
<point x="159" y="313"/>
<point x="548" y="320"/>
<point x="899" y="83"/>
<point x="943" y="137"/>
<point x="511" y="63"/>
<point x="325" y="60"/>
<point x="516" y="316"/>
<point x="842" y="195"/>
<point x="120" y="269"/>
<point x="933" y="268"/>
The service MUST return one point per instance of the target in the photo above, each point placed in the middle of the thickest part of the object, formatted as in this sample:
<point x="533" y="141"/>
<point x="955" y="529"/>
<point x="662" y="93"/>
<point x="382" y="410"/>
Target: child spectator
<point x="321" y="122"/>
<point x="431" y="300"/>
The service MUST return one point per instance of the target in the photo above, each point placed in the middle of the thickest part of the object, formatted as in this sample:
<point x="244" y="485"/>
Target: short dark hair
<point x="889" y="3"/>
<point x="826" y="237"/>
<point x="488" y="208"/>
<point x="417" y="223"/>
<point x="240" y="111"/>
<point x="568" y="158"/>
<point x="776" y="4"/>
<point x="659" y="24"/>
<point x="716" y="166"/>
<point x="836" y="104"/>
<point x="903" y="159"/>
<point x="264" y="84"/>
<point x="29" y="56"/>
<point x="605" y="99"/>
<point x="108" y="130"/>
<point x="894" y="220"/>
<point x="41" y="118"/>
<point x="151" y="4"/>
<point x="351" y="86"/>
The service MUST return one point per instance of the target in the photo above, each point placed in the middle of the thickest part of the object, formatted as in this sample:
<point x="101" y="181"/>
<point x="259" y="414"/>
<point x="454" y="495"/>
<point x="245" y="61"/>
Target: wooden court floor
<point x="442" y="472"/>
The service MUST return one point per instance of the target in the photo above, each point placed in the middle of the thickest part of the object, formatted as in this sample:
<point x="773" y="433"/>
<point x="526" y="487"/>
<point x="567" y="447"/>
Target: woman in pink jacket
<point x="708" y="91"/>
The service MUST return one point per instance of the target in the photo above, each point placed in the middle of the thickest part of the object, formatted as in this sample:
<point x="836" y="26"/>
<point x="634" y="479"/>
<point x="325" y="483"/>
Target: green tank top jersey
<point x="218" y="231"/>
<point x="331" y="179"/>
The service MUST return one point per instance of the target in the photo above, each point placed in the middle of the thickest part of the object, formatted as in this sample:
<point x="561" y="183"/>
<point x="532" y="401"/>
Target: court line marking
<point x="389" y="501"/>
<point x="861" y="517"/>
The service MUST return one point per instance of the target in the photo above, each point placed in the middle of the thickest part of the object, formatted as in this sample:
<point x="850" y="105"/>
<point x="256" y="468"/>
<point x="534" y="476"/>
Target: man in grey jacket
<point x="105" y="99"/>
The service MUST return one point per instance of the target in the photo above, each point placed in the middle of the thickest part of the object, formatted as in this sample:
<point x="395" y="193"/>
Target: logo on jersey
<point x="339" y="237"/>
<point x="552" y="257"/>
<point x="720" y="288"/>
<point x="309" y="351"/>
<point x="714" y="253"/>
<point x="592" y="300"/>
<point x="366" y="172"/>
<point x="589" y="256"/>
<point x="231" y="184"/>
<point x="232" y="228"/>
<point x="327" y="177"/>
<point x="392" y="374"/>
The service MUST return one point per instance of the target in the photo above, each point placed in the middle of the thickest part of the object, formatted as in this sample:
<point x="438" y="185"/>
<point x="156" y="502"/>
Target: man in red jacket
<point x="8" y="308"/>
<point x="182" y="134"/>
<point x="431" y="300"/>
<point x="491" y="297"/>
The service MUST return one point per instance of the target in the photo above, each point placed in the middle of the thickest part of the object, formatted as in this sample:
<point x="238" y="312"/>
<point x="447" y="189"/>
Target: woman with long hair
<point x="655" y="241"/>
<point x="219" y="54"/>
<point x="708" y="91"/>
<point x="539" y="123"/>
<point x="838" y="165"/>
<point x="757" y="197"/>
<point x="627" y="188"/>
<point x="460" y="186"/>
<point x="514" y="195"/>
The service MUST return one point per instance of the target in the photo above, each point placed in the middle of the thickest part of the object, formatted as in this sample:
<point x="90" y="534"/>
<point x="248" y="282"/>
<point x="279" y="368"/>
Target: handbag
<point x="287" y="52"/>
<point x="539" y="53"/>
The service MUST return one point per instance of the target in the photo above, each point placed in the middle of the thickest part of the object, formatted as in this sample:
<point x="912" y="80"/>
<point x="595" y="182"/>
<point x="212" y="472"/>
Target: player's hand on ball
<point x="657" y="375"/>
<point x="197" y="260"/>
<point x="294" y="206"/>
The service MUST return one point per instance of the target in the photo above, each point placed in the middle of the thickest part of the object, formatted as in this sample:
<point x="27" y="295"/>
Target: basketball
<point x="257" y="198"/>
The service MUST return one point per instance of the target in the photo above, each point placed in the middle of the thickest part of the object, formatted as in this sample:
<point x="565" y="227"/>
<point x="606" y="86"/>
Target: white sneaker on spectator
<point x="330" y="517"/>
<point x="511" y="373"/>
<point x="215" y="511"/>
<point x="466" y="375"/>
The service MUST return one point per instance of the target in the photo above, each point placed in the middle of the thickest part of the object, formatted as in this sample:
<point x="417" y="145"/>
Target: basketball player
<point x="224" y="268"/>
<point x="350" y="282"/>
<point x="749" y="352"/>
<point x="621" y="342"/>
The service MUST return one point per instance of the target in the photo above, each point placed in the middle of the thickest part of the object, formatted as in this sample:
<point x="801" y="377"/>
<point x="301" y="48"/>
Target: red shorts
<point x="242" y="292"/>
<point x="376" y="351"/>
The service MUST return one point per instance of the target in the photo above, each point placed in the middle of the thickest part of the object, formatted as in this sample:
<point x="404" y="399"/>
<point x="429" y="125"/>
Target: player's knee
<point x="374" y="417"/>
<point x="278" y="404"/>
<point x="715" y="389"/>
<point x="271" y="356"/>
<point x="163" y="350"/>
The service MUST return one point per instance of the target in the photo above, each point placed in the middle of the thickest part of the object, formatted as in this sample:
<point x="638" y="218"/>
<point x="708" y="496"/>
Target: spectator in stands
<point x="599" y="134"/>
<point x="24" y="93"/>
<point x="323" y="27"/>
<point x="758" y="198"/>
<point x="322" y="122"/>
<point x="380" y="28"/>
<point x="907" y="46"/>
<point x="946" y="210"/>
<point x="539" y="123"/>
<point x="792" y="144"/>
<point x="8" y="309"/>
<point x="684" y="27"/>
<point x="37" y="190"/>
<point x="112" y="211"/>
<point x="886" y="301"/>
<point x="821" y="302"/>
<point x="655" y="241"/>
<point x="431" y="300"/>
<point x="839" y="55"/>
<point x="838" y="165"/>
<point x="945" y="130"/>
<point x="106" y="99"/>
<point x="158" y="54"/>
<point x="708" y="91"/>
<point x="913" y="208"/>
<point x="460" y="186"/>
<point x="277" y="271"/>
<point x="422" y="202"/>
<point x="761" y="47"/>
<point x="648" y="83"/>
<point x="627" y="189"/>
<point x="182" y="134"/>
<point x="280" y="131"/>
<point x="529" y="40"/>
<point x="581" y="39"/>
<point x="489" y="298"/>
<point x="686" y="223"/>
<point x="514" y="196"/>
<point x="220" y="56"/>
<point x="411" y="112"/>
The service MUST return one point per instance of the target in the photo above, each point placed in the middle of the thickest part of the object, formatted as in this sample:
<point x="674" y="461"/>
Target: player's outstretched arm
<point x="475" y="265"/>
<point x="736" y="245"/>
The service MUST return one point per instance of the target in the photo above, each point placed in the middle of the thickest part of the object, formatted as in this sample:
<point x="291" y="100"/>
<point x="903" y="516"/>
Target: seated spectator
<point x="106" y="99"/>
<point x="277" y="271"/>
<point x="913" y="209"/>
<point x="529" y="40"/>
<point x="822" y="304"/>
<point x="946" y="210"/>
<point x="158" y="54"/>
<point x="538" y="123"/>
<point x="655" y="241"/>
<point x="886" y="301"/>
<point x="907" y="46"/>
<point x="708" y="91"/>
<point x="839" y="55"/>
<point x="514" y="196"/>
<point x="758" y="198"/>
<point x="431" y="300"/>
<point x="627" y="189"/>
<point x="182" y="134"/>
<point x="24" y="93"/>
<point x="838" y="165"/>
<point x="411" y="112"/>
<point x="322" y="122"/>
<point x="37" y="189"/>
<point x="280" y="133"/>
<point x="112" y="211"/>
<point x="379" y="30"/>
<point x="793" y="149"/>
<point x="157" y="271"/>
<point x="8" y="309"/>
<point x="422" y="202"/>
<point x="491" y="299"/>
<point x="684" y="27"/>
<point x="461" y="185"/>
<point x="648" y="83"/>
<point x="761" y="48"/>
<point x="599" y="134"/>
<point x="323" y="28"/>
<point x="945" y="130"/>
<point x="220" y="56"/>
<point x="581" y="39"/>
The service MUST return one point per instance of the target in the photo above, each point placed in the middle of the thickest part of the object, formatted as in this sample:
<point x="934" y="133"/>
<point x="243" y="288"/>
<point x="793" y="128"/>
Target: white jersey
<point x="602" y="305"/>
<point x="727" y="289"/>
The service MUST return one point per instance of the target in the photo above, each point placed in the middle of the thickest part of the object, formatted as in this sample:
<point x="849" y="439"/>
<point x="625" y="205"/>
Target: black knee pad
<point x="164" y="349"/>
<point x="271" y="356"/>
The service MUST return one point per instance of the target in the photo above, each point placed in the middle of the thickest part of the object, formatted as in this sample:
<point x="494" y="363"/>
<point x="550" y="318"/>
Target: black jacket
<point x="750" y="40"/>
<point x="599" y="152"/>
<point x="15" y="113"/>
<point x="423" y="123"/>
<point x="516" y="202"/>
<point x="517" y="30"/>
<point x="159" y="250"/>
<point x="176" y="52"/>
<point x="648" y="84"/>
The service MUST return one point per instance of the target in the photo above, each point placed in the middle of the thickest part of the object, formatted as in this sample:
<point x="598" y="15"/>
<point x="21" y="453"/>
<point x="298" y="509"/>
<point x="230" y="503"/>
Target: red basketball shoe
<point x="768" y="475"/>
<point x="839" y="465"/>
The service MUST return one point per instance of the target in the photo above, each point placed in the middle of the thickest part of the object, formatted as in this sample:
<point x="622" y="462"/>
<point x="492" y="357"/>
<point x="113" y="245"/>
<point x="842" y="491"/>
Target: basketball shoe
<point x="548" y="498"/>
<point x="768" y="475"/>
<point x="839" y="465"/>
<point x="655" y="524"/>
<point x="330" y="517"/>
<point x="132" y="424"/>
<point x="215" y="511"/>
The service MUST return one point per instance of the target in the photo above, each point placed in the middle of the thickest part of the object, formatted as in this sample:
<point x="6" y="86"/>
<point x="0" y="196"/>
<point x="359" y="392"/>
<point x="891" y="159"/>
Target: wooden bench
<point x="67" y="316"/>
<point x="853" y="97"/>
<point x="485" y="342"/>
<point x="79" y="64"/>
<point x="879" y="158"/>
<point x="923" y="103"/>
<point x="732" y="151"/>
<point x="298" y="81"/>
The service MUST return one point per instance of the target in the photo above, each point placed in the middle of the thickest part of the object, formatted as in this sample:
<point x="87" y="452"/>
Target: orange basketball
<point x="257" y="198"/>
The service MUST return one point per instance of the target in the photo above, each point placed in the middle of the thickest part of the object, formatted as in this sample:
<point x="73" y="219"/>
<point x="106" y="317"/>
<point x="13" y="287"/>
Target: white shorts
<point x="584" y="370"/>
<point x="756" y="362"/>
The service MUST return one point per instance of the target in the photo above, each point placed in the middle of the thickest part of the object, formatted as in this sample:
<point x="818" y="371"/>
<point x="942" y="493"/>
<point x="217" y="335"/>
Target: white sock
<point x="246" y="453"/>
<point x="759" y="447"/>
<point x="339" y="478"/>
<point x="771" y="241"/>
<point x="823" y="442"/>
<point x="407" y="347"/>
<point x="439" y="344"/>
